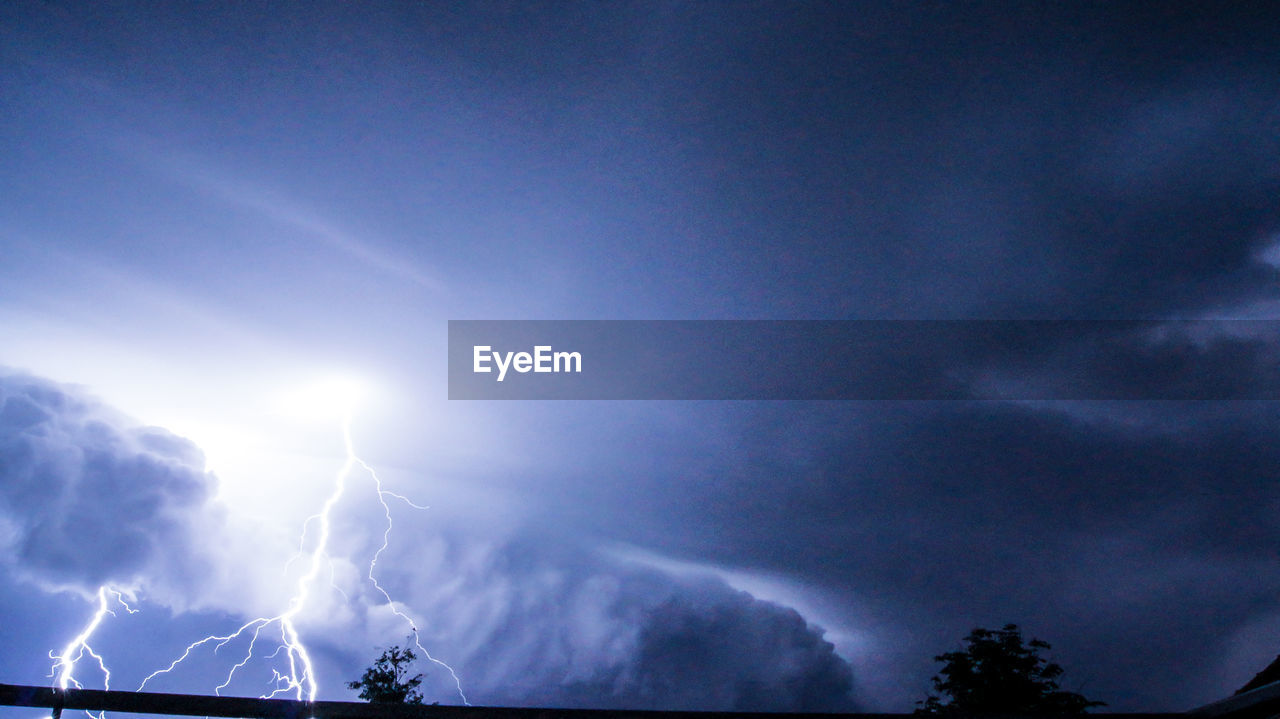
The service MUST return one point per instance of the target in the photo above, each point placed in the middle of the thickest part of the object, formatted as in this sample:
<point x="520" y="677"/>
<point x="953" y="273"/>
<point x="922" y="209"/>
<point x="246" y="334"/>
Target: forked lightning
<point x="298" y="677"/>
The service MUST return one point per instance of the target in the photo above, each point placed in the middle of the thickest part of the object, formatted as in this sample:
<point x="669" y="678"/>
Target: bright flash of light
<point x="318" y="400"/>
<point x="329" y="398"/>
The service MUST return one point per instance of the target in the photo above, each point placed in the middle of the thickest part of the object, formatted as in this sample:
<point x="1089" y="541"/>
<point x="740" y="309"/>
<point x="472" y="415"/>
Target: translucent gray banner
<point x="865" y="359"/>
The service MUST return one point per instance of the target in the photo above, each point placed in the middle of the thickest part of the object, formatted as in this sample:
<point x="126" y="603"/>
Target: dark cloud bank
<point x="639" y="638"/>
<point x="1139" y="538"/>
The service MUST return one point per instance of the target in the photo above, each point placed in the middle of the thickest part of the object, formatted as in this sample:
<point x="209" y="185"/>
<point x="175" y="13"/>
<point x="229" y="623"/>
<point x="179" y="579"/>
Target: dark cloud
<point x="87" y="497"/>
<point x="536" y="620"/>
<point x="1171" y="360"/>
<point x="720" y="650"/>
<point x="739" y="654"/>
<point x="1115" y="540"/>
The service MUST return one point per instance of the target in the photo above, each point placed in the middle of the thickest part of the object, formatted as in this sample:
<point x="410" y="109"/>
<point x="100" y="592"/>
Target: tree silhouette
<point x="997" y="674"/>
<point x="388" y="681"/>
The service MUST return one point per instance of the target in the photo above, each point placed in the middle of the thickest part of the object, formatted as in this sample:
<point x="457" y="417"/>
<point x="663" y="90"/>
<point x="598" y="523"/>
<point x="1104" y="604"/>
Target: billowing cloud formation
<point x="530" y="621"/>
<point x="735" y="653"/>
<point x="705" y="647"/>
<point x="87" y="498"/>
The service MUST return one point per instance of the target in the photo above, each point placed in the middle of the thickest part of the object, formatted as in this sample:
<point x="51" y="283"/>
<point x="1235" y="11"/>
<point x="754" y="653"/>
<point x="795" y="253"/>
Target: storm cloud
<point x="534" y="620"/>
<point x="88" y="498"/>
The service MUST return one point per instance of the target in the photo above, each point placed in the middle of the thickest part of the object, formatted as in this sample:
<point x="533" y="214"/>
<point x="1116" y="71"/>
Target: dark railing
<point x="97" y="700"/>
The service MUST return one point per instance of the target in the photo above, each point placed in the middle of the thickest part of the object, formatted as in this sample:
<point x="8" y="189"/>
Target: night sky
<point x="208" y="213"/>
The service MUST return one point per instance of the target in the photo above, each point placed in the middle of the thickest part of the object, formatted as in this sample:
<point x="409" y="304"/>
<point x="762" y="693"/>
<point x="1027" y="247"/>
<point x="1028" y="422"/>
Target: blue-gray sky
<point x="205" y="208"/>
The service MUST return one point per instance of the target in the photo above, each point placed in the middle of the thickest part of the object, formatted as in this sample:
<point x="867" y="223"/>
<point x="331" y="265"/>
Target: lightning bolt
<point x="386" y="540"/>
<point x="64" y="664"/>
<point x="300" y="678"/>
